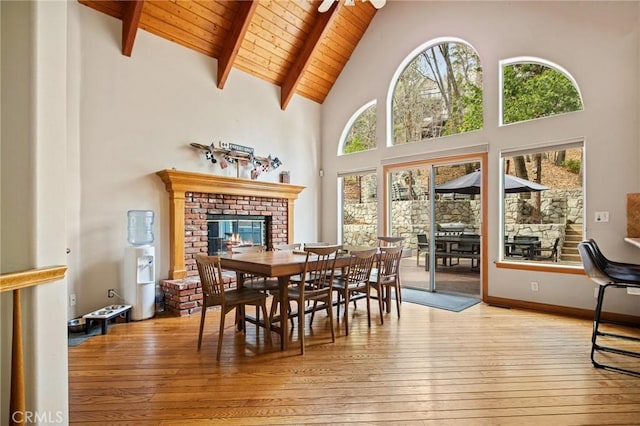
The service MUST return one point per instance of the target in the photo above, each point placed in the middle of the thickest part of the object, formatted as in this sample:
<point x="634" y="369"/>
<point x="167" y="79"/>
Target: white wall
<point x="136" y="116"/>
<point x="33" y="198"/>
<point x="597" y="42"/>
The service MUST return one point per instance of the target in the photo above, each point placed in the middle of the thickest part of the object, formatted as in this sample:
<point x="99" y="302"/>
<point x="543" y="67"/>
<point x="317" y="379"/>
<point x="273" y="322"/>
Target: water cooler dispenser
<point x="138" y="285"/>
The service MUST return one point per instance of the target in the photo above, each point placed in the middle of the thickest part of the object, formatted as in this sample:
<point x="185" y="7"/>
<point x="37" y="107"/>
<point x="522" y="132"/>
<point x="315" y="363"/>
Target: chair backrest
<point x="390" y="241"/>
<point x="248" y="249"/>
<point x="360" y="265"/>
<point x="211" y="281"/>
<point x="294" y="246"/>
<point x="315" y="245"/>
<point x="319" y="267"/>
<point x="422" y="239"/>
<point x="591" y="266"/>
<point x="389" y="261"/>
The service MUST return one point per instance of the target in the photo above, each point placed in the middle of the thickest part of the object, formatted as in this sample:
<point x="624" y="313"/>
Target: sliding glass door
<point x="436" y="207"/>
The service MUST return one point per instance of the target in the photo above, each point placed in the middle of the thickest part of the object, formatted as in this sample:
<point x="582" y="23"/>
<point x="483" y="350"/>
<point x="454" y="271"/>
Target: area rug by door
<point x="449" y="301"/>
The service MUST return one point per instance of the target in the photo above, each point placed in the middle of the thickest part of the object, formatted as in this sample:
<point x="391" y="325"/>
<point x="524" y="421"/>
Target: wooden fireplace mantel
<point x="179" y="182"/>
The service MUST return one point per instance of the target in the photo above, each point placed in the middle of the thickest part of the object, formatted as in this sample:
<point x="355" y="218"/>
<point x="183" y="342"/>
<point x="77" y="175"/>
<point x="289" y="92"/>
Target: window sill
<point x="547" y="267"/>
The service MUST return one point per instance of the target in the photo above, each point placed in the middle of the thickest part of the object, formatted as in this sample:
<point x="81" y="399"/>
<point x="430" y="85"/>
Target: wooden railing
<point x="16" y="281"/>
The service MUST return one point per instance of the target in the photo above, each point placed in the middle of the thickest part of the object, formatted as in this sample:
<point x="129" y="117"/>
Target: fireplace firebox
<point x="225" y="231"/>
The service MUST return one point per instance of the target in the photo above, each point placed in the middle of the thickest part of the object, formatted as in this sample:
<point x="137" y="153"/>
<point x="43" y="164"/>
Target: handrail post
<point x="17" y="404"/>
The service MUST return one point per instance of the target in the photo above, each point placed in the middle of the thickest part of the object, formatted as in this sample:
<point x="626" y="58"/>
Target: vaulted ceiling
<point x="287" y="43"/>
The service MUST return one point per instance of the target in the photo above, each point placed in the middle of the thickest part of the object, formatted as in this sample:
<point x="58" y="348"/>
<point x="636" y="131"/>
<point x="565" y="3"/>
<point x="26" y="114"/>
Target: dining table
<point x="280" y="264"/>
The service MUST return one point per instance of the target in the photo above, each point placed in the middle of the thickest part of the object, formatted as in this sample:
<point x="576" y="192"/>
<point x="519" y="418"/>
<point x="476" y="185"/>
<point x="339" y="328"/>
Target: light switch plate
<point x="602" y="217"/>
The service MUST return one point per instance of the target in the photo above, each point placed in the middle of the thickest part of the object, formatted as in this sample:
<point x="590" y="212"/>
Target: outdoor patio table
<point x="526" y="247"/>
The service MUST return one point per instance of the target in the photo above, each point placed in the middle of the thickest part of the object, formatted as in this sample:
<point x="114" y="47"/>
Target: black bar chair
<point x="608" y="274"/>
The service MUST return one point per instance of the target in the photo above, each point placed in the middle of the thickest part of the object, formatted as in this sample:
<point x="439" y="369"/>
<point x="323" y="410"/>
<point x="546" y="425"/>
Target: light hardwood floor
<point x="483" y="366"/>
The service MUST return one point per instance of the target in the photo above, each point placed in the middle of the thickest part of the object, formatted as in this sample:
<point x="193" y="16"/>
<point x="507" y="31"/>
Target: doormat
<point x="449" y="301"/>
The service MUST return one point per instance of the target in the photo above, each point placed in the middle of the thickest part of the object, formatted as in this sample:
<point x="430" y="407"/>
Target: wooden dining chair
<point x="355" y="282"/>
<point x="393" y="242"/>
<point x="293" y="246"/>
<point x="385" y="278"/>
<point x="315" y="284"/>
<point x="267" y="285"/>
<point x="214" y="294"/>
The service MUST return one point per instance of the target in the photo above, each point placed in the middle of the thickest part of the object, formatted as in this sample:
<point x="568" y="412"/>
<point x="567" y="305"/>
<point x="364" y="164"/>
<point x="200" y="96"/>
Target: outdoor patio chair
<point x="423" y="247"/>
<point x="616" y="275"/>
<point x="551" y="253"/>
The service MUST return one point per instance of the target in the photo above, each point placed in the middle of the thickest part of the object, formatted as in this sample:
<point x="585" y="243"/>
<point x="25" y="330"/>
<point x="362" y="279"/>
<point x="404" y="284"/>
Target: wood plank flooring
<point x="485" y="365"/>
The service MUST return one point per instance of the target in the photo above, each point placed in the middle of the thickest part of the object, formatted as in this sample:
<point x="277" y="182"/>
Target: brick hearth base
<point x="184" y="297"/>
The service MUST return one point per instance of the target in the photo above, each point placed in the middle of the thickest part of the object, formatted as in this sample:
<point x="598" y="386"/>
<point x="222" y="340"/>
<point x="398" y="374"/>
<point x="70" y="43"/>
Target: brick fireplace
<point x="193" y="197"/>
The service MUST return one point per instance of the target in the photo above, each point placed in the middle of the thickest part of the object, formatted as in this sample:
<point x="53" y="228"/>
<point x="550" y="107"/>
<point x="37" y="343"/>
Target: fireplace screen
<point x="228" y="231"/>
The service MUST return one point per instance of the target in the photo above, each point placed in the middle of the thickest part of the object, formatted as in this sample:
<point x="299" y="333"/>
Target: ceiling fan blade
<point x="325" y="5"/>
<point x="378" y="3"/>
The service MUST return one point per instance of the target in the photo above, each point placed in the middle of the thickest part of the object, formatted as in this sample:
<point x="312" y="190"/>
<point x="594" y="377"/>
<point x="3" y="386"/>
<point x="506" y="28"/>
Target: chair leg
<point x="223" y="313"/>
<point x="596" y="324"/>
<point x="347" y="295"/>
<point x="301" y="323"/>
<point x="202" y="315"/>
<point x="398" y="298"/>
<point x="368" y="306"/>
<point x="330" y="314"/>
<point x="380" y="306"/>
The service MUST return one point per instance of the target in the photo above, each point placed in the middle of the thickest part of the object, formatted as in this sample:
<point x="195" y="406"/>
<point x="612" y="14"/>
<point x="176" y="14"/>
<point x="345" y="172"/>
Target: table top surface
<point x="271" y="263"/>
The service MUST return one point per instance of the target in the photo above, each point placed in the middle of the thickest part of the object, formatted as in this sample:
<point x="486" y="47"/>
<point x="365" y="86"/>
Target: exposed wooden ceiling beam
<point x="320" y="27"/>
<point x="233" y="42"/>
<point x="131" y="12"/>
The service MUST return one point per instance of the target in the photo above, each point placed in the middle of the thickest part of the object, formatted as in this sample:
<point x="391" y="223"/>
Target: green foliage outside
<point x="438" y="94"/>
<point x="573" y="166"/>
<point x="533" y="91"/>
<point x="362" y="135"/>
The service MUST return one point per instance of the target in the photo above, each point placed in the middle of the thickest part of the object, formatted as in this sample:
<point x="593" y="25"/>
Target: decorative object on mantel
<point x="240" y="155"/>
<point x="633" y="215"/>
<point x="284" y="177"/>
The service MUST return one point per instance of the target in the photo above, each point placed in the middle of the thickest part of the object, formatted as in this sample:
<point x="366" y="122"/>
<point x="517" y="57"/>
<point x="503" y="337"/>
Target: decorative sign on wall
<point x="227" y="153"/>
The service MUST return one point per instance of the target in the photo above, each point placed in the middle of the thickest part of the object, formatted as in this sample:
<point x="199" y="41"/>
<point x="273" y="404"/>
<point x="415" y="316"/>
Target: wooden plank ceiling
<point x="287" y="43"/>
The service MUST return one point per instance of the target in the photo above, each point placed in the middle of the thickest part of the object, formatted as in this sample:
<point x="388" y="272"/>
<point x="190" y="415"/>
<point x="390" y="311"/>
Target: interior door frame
<point x="482" y="158"/>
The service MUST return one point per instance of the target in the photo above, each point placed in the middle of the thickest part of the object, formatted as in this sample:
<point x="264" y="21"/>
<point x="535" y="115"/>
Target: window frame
<point x="504" y="263"/>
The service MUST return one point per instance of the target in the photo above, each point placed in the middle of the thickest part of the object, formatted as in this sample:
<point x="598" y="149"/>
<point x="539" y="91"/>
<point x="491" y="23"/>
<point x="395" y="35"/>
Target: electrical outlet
<point x="72" y="300"/>
<point x="110" y="293"/>
<point x="534" y="286"/>
<point x="602" y="217"/>
<point x="633" y="290"/>
<point x="595" y="292"/>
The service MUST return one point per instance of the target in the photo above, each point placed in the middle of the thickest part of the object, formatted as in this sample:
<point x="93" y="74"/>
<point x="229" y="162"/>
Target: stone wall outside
<point x="411" y="217"/>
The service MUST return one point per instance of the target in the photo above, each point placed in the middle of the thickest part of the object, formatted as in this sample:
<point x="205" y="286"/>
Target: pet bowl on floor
<point x="76" y="325"/>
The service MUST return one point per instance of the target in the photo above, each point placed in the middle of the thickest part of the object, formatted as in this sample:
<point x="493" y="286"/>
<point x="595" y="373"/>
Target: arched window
<point x="534" y="88"/>
<point x="437" y="92"/>
<point x="360" y="132"/>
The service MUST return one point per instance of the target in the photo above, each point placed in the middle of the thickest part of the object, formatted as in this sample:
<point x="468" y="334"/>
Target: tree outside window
<point x="362" y="134"/>
<point x="533" y="90"/>
<point x="439" y="93"/>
